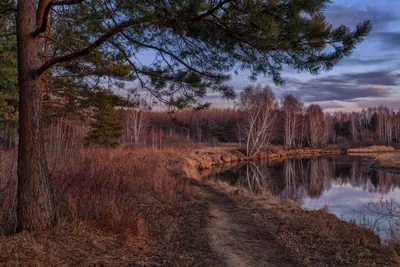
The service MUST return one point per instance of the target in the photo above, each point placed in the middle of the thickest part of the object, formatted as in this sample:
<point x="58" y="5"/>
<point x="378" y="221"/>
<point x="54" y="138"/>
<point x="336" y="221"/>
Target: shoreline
<point x="208" y="158"/>
<point x="378" y="167"/>
<point x="315" y="237"/>
<point x="387" y="162"/>
<point x="385" y="169"/>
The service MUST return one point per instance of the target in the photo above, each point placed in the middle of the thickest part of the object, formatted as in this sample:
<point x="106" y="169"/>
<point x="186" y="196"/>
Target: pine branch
<point x="46" y="13"/>
<point x="175" y="57"/>
<point x="59" y="43"/>
<point x="212" y="10"/>
<point x="105" y="37"/>
<point x="8" y="10"/>
<point x="8" y="34"/>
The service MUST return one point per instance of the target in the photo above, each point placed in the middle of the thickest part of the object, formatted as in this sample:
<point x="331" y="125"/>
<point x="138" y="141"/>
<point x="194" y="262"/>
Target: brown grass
<point x="391" y="160"/>
<point x="8" y="170"/>
<point x="318" y="237"/>
<point x="128" y="207"/>
<point x="112" y="206"/>
<point x="372" y="149"/>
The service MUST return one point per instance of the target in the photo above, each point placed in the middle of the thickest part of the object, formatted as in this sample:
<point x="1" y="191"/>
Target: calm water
<point x="346" y="184"/>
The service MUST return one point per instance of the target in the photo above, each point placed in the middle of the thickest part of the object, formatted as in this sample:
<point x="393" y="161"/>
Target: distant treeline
<point x="370" y="126"/>
<point x="312" y="127"/>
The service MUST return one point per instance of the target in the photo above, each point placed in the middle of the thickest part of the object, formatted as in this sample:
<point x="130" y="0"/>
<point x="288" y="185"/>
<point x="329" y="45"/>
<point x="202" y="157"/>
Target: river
<point x="345" y="184"/>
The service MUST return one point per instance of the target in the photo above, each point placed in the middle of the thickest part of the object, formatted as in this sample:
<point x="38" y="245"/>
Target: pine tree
<point x="373" y="123"/>
<point x="106" y="125"/>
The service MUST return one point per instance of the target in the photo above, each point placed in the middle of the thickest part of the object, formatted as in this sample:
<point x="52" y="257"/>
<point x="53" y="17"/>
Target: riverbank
<point x="296" y="236"/>
<point x="371" y="149"/>
<point x="387" y="162"/>
<point x="145" y="207"/>
<point x="313" y="238"/>
<point x="208" y="158"/>
<point x="204" y="159"/>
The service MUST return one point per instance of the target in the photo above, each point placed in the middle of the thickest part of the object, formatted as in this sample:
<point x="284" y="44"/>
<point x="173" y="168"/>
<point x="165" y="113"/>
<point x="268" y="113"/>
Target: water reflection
<point x="311" y="178"/>
<point x="345" y="183"/>
<point x="256" y="179"/>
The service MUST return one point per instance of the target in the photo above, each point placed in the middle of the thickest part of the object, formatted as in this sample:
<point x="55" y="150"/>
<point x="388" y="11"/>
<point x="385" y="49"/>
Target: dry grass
<point x="8" y="171"/>
<point x="113" y="206"/>
<point x="317" y="238"/>
<point x="391" y="160"/>
<point x="127" y="207"/>
<point x="372" y="149"/>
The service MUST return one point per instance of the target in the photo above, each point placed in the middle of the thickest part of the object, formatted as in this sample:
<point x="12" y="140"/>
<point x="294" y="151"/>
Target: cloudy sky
<point x="369" y="77"/>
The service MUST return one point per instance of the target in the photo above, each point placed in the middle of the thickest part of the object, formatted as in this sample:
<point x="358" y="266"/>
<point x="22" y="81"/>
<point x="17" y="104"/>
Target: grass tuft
<point x="372" y="149"/>
<point x="388" y="160"/>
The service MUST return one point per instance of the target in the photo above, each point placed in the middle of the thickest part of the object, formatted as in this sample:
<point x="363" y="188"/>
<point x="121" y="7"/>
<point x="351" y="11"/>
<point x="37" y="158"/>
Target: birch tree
<point x="292" y="108"/>
<point x="258" y="106"/>
<point x="135" y="121"/>
<point x="316" y="125"/>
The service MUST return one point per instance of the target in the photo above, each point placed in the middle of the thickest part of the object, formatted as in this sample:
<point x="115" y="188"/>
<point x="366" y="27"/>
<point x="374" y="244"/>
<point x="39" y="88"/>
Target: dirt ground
<point x="237" y="239"/>
<point x="243" y="231"/>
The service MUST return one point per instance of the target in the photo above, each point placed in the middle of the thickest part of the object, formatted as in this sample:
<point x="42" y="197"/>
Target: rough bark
<point x="35" y="208"/>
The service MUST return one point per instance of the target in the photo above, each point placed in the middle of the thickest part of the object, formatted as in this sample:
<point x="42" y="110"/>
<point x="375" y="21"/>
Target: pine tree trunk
<point x="35" y="208"/>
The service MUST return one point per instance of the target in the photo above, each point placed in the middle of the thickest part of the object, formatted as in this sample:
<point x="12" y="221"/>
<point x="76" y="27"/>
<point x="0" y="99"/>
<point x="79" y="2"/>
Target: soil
<point x="238" y="239"/>
<point x="244" y="231"/>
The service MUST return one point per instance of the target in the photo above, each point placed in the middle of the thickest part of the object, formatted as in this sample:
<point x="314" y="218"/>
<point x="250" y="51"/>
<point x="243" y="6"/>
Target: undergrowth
<point x="114" y="194"/>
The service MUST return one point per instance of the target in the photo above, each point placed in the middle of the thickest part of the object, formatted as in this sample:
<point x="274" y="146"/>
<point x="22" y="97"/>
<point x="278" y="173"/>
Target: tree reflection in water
<point x="346" y="184"/>
<point x="256" y="179"/>
<point x="298" y="178"/>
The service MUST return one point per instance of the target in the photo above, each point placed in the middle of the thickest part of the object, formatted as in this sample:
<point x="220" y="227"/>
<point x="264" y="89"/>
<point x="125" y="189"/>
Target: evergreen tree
<point x="345" y="129"/>
<point x="224" y="131"/>
<point x="106" y="125"/>
<point x="337" y="128"/>
<point x="373" y="123"/>
<point x="342" y="128"/>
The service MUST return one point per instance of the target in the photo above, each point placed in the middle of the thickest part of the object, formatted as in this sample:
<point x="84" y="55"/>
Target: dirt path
<point x="238" y="239"/>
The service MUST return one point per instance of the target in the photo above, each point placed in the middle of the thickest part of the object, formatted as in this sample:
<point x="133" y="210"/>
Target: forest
<point x="141" y="126"/>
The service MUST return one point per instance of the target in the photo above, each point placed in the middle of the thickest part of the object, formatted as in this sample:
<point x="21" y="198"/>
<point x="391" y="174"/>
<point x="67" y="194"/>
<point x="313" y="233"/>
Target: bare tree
<point x="135" y="121"/>
<point x="316" y="125"/>
<point x="396" y="126"/>
<point x="327" y="133"/>
<point x="258" y="106"/>
<point x="353" y="119"/>
<point x="292" y="108"/>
